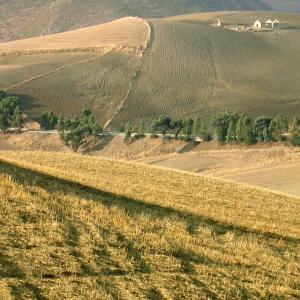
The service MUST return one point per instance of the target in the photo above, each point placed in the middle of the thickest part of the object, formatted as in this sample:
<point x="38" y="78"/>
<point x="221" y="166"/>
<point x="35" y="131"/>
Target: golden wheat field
<point x="126" y="32"/>
<point x="75" y="227"/>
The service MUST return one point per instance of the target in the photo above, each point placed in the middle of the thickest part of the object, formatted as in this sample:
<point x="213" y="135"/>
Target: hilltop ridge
<point x="28" y="18"/>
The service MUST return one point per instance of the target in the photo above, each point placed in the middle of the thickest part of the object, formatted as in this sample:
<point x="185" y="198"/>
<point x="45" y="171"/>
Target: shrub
<point x="48" y="120"/>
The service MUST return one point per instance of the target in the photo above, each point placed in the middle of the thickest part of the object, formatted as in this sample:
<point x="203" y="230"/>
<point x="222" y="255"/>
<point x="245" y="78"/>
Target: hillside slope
<point x="27" y="18"/>
<point x="186" y="68"/>
<point x="90" y="67"/>
<point x="83" y="227"/>
<point x="194" y="69"/>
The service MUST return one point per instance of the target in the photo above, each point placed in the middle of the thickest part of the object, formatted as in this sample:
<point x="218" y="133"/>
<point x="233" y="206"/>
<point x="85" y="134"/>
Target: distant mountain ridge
<point x="28" y="18"/>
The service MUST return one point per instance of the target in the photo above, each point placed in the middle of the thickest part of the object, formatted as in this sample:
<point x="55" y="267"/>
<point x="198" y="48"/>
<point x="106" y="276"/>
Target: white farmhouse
<point x="269" y="24"/>
<point x="257" y="25"/>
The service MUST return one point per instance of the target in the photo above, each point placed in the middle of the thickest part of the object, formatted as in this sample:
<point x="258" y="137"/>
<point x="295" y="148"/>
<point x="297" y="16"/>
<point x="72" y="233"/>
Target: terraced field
<point x="80" y="227"/>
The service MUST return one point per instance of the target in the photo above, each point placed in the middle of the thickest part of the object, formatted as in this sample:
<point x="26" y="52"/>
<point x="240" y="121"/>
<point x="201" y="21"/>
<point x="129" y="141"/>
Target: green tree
<point x="278" y="127"/>
<point x="295" y="132"/>
<point x="188" y="125"/>
<point x="17" y="119"/>
<point x="2" y="94"/>
<point x="220" y="122"/>
<point x="266" y="135"/>
<point x="197" y="127"/>
<point x="231" y="134"/>
<point x="48" y="120"/>
<point x="162" y="124"/>
<point x="75" y="132"/>
<point x="176" y="125"/>
<point x="239" y="130"/>
<point x="261" y="127"/>
<point x="128" y="131"/>
<point x="10" y="113"/>
<point x="247" y="129"/>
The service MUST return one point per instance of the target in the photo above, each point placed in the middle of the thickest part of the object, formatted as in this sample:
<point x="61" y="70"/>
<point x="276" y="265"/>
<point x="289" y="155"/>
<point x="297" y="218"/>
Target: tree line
<point x="11" y="115"/>
<point x="225" y="127"/>
<point x="236" y="128"/>
<point x="74" y="131"/>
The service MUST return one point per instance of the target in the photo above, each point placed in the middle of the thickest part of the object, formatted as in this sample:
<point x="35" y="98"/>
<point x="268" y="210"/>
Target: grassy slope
<point x="151" y="234"/>
<point x="194" y="69"/>
<point x="26" y="18"/>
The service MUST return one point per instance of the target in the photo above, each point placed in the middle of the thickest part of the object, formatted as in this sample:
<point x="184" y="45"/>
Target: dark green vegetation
<point x="76" y="132"/>
<point x="26" y="18"/>
<point x="229" y="128"/>
<point x="10" y="112"/>
<point x="234" y="128"/>
<point x="48" y="120"/>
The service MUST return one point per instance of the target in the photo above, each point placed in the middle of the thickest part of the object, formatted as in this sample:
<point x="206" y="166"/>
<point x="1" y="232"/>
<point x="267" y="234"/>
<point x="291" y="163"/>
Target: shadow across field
<point x="103" y="262"/>
<point x="132" y="206"/>
<point x="29" y="104"/>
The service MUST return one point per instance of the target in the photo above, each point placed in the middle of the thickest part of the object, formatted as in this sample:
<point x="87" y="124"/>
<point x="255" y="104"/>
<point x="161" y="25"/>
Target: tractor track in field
<point x="148" y="46"/>
<point x="216" y="80"/>
<point x="21" y="83"/>
<point x="104" y="81"/>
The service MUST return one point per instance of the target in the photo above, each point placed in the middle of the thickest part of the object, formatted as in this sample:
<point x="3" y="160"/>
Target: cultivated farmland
<point x="126" y="32"/>
<point x="87" y="227"/>
<point x="27" y="18"/>
<point x="186" y="68"/>
<point x="193" y="69"/>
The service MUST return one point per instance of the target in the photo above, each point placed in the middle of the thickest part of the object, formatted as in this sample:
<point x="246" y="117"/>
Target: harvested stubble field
<point x="80" y="227"/>
<point x="126" y="32"/>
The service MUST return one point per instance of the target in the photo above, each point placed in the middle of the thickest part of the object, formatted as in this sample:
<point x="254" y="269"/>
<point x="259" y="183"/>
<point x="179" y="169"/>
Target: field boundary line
<point x="40" y="171"/>
<point x="48" y="73"/>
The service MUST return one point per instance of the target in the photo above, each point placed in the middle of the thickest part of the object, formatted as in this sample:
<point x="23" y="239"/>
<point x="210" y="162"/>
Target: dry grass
<point x="103" y="229"/>
<point x="127" y="32"/>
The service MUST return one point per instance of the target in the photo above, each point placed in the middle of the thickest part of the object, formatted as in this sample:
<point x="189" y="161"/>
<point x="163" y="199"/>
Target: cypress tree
<point x="231" y="134"/>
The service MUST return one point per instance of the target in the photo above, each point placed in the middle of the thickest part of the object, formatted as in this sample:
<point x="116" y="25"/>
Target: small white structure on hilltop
<point x="219" y="24"/>
<point x="269" y="24"/>
<point x="276" y="23"/>
<point x="257" y="24"/>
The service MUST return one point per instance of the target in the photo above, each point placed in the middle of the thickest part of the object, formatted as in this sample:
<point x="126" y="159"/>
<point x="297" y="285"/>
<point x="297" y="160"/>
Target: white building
<point x="269" y="24"/>
<point x="257" y="25"/>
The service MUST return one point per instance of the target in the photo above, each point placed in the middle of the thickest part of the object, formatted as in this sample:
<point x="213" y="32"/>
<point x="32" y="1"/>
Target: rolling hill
<point x="186" y="68"/>
<point x="80" y="227"/>
<point x="91" y="67"/>
<point x="27" y="18"/>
